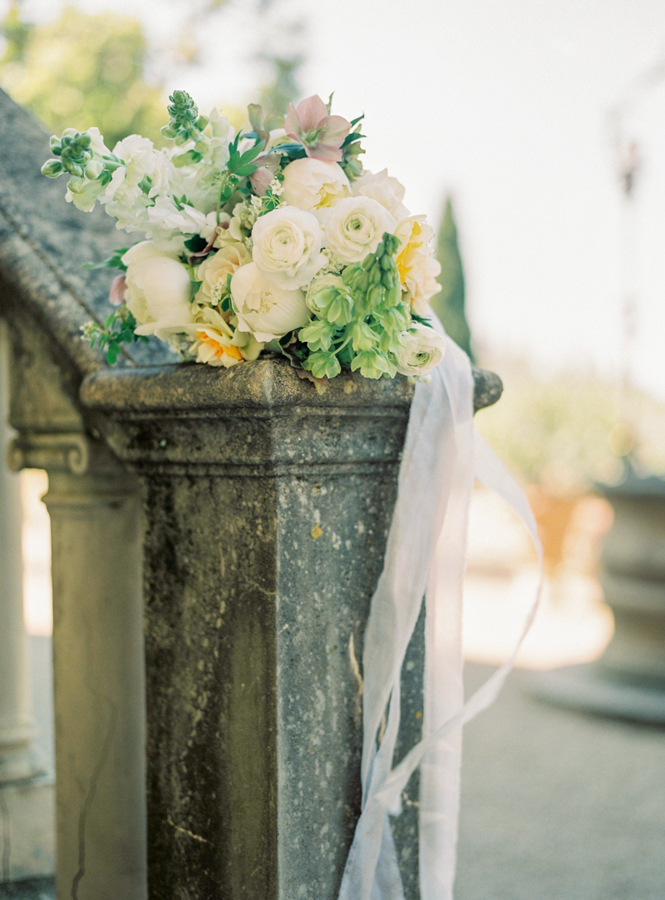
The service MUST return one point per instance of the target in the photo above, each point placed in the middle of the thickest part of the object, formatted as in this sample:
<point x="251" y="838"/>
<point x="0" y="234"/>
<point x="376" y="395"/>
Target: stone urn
<point x="628" y="681"/>
<point x="633" y="580"/>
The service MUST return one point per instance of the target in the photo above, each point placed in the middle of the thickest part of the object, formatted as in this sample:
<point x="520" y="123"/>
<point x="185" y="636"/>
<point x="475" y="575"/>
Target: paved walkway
<point x="555" y="806"/>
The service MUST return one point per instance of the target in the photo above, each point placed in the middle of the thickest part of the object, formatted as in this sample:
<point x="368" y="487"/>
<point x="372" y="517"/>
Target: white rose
<point x="423" y="350"/>
<point x="355" y="226"/>
<point x="287" y="247"/>
<point x="265" y="310"/>
<point x="384" y="189"/>
<point x="314" y="184"/>
<point x="417" y="267"/>
<point x="158" y="291"/>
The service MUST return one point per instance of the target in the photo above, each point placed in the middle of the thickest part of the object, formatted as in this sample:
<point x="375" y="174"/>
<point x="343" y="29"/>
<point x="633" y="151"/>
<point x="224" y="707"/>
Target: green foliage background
<point x="82" y="70"/>
<point x="449" y="303"/>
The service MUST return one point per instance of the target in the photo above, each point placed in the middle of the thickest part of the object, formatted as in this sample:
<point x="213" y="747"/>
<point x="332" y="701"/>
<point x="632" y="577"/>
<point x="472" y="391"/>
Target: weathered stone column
<point x="266" y="512"/>
<point x="97" y="633"/>
<point x="26" y="790"/>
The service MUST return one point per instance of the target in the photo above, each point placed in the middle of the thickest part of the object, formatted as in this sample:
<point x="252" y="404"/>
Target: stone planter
<point x="633" y="580"/>
<point x="628" y="681"/>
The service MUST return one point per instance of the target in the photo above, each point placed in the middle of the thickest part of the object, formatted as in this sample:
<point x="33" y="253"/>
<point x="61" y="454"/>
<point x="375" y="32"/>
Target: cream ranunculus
<point x="423" y="350"/>
<point x="159" y="291"/>
<point x="313" y="184"/>
<point x="214" y="271"/>
<point x="384" y="189"/>
<point x="417" y="267"/>
<point x="265" y="310"/>
<point x="355" y="226"/>
<point x="287" y="247"/>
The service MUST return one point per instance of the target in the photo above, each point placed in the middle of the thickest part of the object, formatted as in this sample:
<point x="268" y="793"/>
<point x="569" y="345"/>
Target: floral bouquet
<point x="269" y="240"/>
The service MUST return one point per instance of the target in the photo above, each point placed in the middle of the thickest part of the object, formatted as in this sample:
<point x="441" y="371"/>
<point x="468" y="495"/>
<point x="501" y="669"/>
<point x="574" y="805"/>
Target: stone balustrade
<point x="216" y="539"/>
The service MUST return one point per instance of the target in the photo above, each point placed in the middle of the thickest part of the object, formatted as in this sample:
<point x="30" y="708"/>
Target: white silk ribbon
<point x="426" y="557"/>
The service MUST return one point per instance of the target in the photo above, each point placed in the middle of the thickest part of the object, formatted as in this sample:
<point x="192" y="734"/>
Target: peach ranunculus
<point x="416" y="264"/>
<point x="214" y="271"/>
<point x="217" y="344"/>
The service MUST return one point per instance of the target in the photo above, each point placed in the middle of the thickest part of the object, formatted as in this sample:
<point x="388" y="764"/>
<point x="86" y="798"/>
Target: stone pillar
<point x="267" y="508"/>
<point x="97" y="631"/>
<point x="98" y="684"/>
<point x="26" y="790"/>
<point x="16" y="726"/>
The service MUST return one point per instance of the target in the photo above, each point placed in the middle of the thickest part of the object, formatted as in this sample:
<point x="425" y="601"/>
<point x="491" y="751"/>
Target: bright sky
<point x="503" y="103"/>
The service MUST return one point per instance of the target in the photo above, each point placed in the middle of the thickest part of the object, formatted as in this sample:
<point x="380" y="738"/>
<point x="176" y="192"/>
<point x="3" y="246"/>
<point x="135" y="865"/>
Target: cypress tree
<point x="449" y="303"/>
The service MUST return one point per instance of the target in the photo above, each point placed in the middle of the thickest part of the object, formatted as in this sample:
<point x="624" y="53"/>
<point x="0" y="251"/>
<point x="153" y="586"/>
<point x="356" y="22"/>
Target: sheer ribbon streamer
<point x="426" y="557"/>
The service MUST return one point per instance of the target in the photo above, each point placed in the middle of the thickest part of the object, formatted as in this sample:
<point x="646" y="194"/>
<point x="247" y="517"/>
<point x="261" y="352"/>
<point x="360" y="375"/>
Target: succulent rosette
<point x="271" y="240"/>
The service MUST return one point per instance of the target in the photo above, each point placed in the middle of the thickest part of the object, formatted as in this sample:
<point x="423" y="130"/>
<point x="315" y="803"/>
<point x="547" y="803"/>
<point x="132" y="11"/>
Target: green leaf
<point x="322" y="365"/>
<point x="196" y="243"/>
<point x="252" y="153"/>
<point x="318" y="334"/>
<point x="114" y="261"/>
<point x="243" y="170"/>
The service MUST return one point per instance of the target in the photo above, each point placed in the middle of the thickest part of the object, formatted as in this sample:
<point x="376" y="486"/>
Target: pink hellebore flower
<point x="264" y="176"/>
<point x="321" y="135"/>
<point x="117" y="292"/>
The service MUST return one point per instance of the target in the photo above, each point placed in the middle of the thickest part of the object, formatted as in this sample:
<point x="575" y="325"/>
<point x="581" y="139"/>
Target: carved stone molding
<point x="54" y="452"/>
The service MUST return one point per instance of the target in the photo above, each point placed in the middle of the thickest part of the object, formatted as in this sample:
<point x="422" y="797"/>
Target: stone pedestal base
<point x="27" y="828"/>
<point x="592" y="689"/>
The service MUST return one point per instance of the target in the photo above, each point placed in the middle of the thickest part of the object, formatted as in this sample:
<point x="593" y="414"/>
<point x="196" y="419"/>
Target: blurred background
<point x="532" y="134"/>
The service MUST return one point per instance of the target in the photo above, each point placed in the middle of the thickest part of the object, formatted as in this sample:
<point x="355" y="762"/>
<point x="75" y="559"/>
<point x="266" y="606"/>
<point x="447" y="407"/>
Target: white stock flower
<point x="417" y="267"/>
<point x="313" y="184"/>
<point x="265" y="310"/>
<point x="97" y="146"/>
<point x="355" y="226"/>
<point x="423" y="350"/>
<point x="384" y="189"/>
<point x="124" y="197"/>
<point x="287" y="247"/>
<point x="158" y="291"/>
<point x="222" y="133"/>
<point x="166" y="220"/>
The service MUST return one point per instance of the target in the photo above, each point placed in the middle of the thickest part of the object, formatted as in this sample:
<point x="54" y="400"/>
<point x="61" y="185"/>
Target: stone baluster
<point x="17" y="760"/>
<point x="26" y="790"/>
<point x="97" y="635"/>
